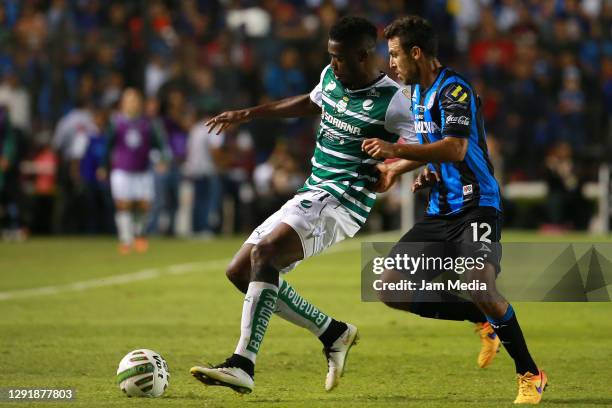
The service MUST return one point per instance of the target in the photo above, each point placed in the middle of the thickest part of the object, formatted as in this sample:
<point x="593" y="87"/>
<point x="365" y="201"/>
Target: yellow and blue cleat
<point x="489" y="344"/>
<point x="531" y="387"/>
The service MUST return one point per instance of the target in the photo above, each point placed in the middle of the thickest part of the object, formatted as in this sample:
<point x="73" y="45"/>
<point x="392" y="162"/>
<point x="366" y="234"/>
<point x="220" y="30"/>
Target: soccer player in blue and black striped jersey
<point x="464" y="204"/>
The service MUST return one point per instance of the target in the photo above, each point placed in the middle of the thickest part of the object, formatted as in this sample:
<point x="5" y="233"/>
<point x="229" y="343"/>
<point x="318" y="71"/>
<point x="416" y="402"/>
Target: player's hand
<point x="427" y="178"/>
<point x="225" y="119"/>
<point x="386" y="179"/>
<point x="377" y="148"/>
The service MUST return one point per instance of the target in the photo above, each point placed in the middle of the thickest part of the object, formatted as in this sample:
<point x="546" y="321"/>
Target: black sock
<point x="333" y="331"/>
<point x="236" y="360"/>
<point x="511" y="336"/>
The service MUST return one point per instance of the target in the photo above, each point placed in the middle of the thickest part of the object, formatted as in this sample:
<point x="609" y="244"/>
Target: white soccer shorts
<point x="318" y="218"/>
<point x="132" y="186"/>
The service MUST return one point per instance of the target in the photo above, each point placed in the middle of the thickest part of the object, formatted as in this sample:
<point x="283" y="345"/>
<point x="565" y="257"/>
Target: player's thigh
<point x="273" y="239"/>
<point x="482" y="224"/>
<point x="429" y="229"/>
<point x="305" y="225"/>
<point x="120" y="186"/>
<point x="132" y="186"/>
<point x="143" y="185"/>
<point x="282" y="247"/>
<point x="478" y="233"/>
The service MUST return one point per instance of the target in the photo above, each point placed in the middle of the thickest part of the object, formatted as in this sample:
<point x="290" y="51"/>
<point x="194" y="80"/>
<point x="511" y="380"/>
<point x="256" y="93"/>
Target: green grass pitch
<point x="177" y="301"/>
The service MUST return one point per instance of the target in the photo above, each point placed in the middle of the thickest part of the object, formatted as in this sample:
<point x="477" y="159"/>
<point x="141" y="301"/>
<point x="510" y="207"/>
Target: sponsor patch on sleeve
<point x="458" y="93"/>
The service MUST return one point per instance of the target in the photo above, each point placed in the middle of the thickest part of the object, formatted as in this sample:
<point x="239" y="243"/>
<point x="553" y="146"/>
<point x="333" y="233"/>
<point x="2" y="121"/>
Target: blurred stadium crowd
<point x="543" y="69"/>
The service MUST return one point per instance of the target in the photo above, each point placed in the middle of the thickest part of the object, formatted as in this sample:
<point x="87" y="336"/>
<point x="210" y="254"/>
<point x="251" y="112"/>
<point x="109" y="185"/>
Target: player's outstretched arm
<point x="295" y="106"/>
<point x="449" y="149"/>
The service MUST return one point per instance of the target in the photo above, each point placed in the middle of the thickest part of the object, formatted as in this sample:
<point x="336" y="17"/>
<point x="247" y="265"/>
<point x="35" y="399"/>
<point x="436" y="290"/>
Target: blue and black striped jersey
<point x="450" y="107"/>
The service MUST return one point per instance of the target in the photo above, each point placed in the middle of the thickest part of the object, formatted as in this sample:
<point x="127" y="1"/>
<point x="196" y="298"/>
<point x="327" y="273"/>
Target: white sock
<point x="257" y="309"/>
<point x="140" y="218"/>
<point x="125" y="226"/>
<point x="297" y="310"/>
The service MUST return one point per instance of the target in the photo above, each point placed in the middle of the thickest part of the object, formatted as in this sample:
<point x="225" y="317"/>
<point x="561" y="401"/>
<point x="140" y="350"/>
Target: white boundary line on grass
<point x="151" y="273"/>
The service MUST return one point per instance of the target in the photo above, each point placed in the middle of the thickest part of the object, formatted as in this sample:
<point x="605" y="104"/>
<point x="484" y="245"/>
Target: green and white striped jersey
<point x="381" y="110"/>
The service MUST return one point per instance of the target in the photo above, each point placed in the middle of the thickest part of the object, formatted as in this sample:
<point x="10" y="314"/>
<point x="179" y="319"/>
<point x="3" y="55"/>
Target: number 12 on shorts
<point x="486" y="231"/>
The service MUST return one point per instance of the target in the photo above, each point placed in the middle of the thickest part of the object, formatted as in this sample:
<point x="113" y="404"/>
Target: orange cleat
<point x="531" y="387"/>
<point x="141" y="245"/>
<point x="124" y="249"/>
<point x="489" y="344"/>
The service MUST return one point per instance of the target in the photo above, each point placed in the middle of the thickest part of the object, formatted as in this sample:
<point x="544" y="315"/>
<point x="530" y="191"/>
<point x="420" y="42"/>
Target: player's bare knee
<point x="239" y="276"/>
<point x="262" y="262"/>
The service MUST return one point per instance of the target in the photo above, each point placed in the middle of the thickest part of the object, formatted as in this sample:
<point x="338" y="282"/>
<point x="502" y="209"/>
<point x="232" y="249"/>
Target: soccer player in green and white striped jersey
<point x="356" y="101"/>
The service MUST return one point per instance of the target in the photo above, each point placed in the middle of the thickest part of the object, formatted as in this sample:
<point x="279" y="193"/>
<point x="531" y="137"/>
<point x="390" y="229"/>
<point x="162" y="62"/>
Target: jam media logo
<point x="330" y="86"/>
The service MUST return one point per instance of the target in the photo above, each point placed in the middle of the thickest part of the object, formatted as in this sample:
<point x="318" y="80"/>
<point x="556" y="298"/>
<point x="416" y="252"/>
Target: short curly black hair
<point x="414" y="31"/>
<point x="353" y="30"/>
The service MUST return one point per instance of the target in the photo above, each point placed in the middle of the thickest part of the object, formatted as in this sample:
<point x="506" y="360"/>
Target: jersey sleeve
<point x="399" y="119"/>
<point x="316" y="95"/>
<point x="456" y="110"/>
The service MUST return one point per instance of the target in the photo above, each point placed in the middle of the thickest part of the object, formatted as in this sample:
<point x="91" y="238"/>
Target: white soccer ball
<point x="143" y="373"/>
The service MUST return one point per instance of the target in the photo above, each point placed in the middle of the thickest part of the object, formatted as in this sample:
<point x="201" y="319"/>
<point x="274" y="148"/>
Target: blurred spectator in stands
<point x="156" y="74"/>
<point x="491" y="53"/>
<point x="571" y="109"/>
<point x="204" y="96"/>
<point x="112" y="87"/>
<point x="201" y="169"/>
<point x="5" y="29"/>
<point x="174" y="121"/>
<point x="15" y="97"/>
<point x="10" y="211"/>
<point x="31" y="28"/>
<point x="567" y="207"/>
<point x="96" y="193"/>
<point x="276" y="180"/>
<point x="285" y="78"/>
<point x="236" y="163"/>
<point x="40" y="172"/>
<point x="70" y="142"/>
<point x="606" y="87"/>
<point x="8" y="146"/>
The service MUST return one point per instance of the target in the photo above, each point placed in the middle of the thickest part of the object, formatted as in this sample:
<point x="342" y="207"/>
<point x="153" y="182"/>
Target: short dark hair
<point x="414" y="31"/>
<point x="352" y="30"/>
